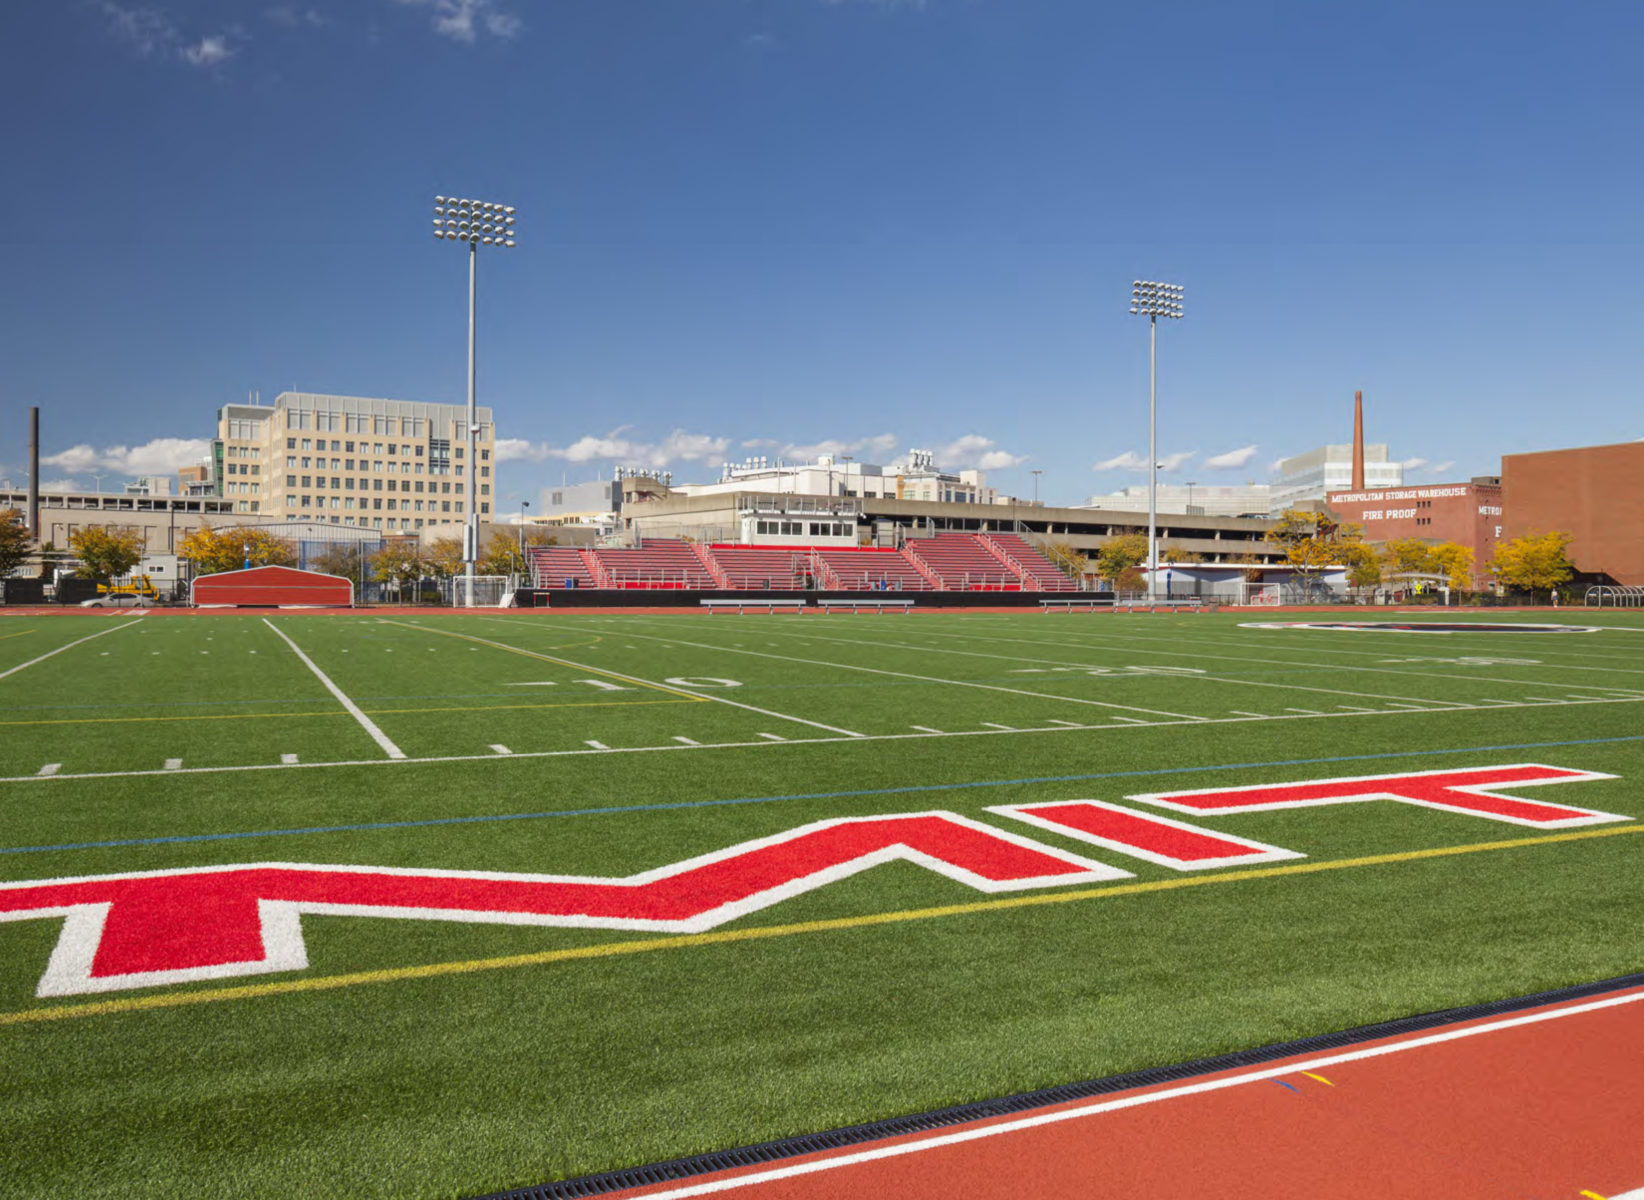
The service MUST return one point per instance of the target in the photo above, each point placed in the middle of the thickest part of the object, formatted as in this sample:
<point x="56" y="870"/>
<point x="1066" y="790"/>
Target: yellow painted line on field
<point x="1320" y="1078"/>
<point x="327" y="983"/>
<point x="558" y="662"/>
<point x="374" y="712"/>
<point x="1592" y="1195"/>
<point x="19" y="633"/>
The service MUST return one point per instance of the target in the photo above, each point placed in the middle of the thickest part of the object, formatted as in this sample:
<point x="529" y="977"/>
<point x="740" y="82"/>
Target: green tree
<point x="1119" y="557"/>
<point x="1407" y="556"/>
<point x="1533" y="564"/>
<point x="443" y="557"/>
<point x="15" y="541"/>
<point x="400" y="563"/>
<point x="105" y="553"/>
<point x="1313" y="541"/>
<point x="502" y="556"/>
<point x="1455" y="562"/>
<point x="213" y="551"/>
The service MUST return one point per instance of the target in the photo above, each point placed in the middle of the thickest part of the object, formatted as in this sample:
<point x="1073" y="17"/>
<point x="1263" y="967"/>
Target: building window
<point x="308" y="443"/>
<point x="485" y="472"/>
<point x="290" y="481"/>
<point x="485" y="508"/>
<point x="290" y="443"/>
<point x="445" y="506"/>
<point x="306" y="478"/>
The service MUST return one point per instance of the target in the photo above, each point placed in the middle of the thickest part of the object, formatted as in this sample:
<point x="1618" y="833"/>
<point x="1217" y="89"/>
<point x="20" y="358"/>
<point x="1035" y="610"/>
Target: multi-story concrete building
<point x="394" y="465"/>
<point x="914" y="476"/>
<point x="1190" y="499"/>
<point x="1308" y="478"/>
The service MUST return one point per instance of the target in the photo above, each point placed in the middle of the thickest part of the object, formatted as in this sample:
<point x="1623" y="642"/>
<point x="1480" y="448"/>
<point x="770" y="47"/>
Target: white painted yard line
<point x="1241" y="713"/>
<point x="1059" y="721"/>
<point x="685" y="741"/>
<point x="997" y="725"/>
<point x="773" y="737"/>
<point x="970" y="683"/>
<point x="1132" y="644"/>
<point x="50" y="769"/>
<point x="1352" y="708"/>
<point x="126" y="624"/>
<point x="856" y="739"/>
<point x="370" y="726"/>
<point x="924" y="729"/>
<point x="1312" y="712"/>
<point x="671" y="687"/>
<point x="499" y="748"/>
<point x="1140" y="1099"/>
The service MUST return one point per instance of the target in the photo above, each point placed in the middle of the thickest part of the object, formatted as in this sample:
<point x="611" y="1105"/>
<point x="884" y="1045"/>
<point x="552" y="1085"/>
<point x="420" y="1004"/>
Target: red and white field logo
<point x="164" y="927"/>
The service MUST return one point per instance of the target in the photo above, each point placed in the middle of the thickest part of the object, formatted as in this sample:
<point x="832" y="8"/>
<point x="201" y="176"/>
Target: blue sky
<point x="778" y="226"/>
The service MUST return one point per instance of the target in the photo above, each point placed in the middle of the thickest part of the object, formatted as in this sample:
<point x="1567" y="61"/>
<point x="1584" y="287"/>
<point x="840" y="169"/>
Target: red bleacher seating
<point x="964" y="564"/>
<point x="780" y="568"/>
<point x="659" y="563"/>
<point x="869" y="570"/>
<point x="555" y="564"/>
<point x="1045" y="575"/>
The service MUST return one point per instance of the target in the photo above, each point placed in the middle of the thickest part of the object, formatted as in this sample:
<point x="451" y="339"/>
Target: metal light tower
<point x="479" y="223"/>
<point x="1152" y="299"/>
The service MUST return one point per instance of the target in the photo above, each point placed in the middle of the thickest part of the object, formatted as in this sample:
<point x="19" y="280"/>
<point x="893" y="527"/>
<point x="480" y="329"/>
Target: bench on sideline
<point x="774" y="606"/>
<point x="859" y="605"/>
<point x="1177" y="604"/>
<point x="1064" y="604"/>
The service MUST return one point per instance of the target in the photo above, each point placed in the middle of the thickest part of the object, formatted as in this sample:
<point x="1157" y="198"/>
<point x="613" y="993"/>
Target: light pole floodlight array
<point x="477" y="222"/>
<point x="1152" y="299"/>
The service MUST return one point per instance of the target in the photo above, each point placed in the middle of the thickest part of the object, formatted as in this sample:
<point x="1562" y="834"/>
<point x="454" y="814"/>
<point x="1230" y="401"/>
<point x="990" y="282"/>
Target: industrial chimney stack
<point x="1358" y="441"/>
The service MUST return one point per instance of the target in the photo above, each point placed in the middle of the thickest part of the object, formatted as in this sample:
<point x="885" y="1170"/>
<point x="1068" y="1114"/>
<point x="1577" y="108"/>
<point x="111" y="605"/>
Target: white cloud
<point x="678" y="446"/>
<point x="1442" y="467"/>
<point x="1128" y="461"/>
<point x="162" y="456"/>
<point x="145" y="30"/>
<point x="1413" y="464"/>
<point x="460" y="20"/>
<point x="974" y="450"/>
<point x="208" y="51"/>
<point x="1233" y="460"/>
<point x="1131" y="461"/>
<point x="291" y="17"/>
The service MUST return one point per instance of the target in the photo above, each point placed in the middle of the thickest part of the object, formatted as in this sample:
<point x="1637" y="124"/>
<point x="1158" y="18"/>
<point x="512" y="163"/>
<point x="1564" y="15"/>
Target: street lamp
<point x="523" y="505"/>
<point x="478" y="223"/>
<point x="1036" y="473"/>
<point x="1190" y="486"/>
<point x="1152" y="299"/>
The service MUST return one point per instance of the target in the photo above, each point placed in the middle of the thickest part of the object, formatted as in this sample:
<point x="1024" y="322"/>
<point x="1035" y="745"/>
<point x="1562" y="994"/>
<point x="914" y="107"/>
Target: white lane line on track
<point x="366" y="723"/>
<point x="970" y="683"/>
<point x="854" y="739"/>
<point x="672" y="687"/>
<point x="1096" y="1108"/>
<point x="127" y="624"/>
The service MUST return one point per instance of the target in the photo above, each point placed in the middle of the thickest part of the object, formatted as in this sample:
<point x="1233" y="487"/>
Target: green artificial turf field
<point x="418" y="1056"/>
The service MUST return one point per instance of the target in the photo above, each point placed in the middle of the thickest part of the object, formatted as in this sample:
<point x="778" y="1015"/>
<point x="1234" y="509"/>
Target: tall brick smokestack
<point x="1358" y="441"/>
<point x="34" y="472"/>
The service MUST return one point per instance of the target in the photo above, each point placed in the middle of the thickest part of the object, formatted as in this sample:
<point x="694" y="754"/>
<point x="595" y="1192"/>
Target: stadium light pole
<point x="1151" y="299"/>
<point x="1036" y="472"/>
<point x="478" y="223"/>
<point x="523" y="505"/>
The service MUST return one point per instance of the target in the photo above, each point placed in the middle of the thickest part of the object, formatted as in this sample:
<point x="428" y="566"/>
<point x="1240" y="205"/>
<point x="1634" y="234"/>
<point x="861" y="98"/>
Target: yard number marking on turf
<point x="370" y="726"/>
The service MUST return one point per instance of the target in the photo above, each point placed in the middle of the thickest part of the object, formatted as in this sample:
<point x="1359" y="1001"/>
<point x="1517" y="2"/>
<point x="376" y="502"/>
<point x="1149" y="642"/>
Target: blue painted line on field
<point x="1291" y="1086"/>
<point x="616" y="810"/>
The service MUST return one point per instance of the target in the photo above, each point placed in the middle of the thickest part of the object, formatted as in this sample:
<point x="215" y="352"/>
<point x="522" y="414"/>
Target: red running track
<point x="1547" y="1102"/>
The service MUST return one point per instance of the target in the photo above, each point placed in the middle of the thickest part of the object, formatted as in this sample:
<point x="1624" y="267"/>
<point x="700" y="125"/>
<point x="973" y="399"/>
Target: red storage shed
<point x="273" y="586"/>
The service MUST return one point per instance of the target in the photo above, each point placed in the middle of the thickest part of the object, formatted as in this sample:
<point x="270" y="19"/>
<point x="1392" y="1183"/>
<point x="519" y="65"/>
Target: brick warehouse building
<point x="1595" y="494"/>
<point x="1469" y="514"/>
